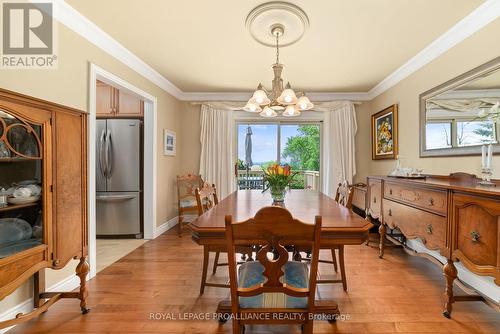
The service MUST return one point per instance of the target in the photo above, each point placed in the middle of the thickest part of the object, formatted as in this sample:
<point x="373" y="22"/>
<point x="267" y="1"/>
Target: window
<point x="438" y="135"/>
<point x="475" y="133"/>
<point x="264" y="145"/>
<point x="459" y="133"/>
<point x="286" y="143"/>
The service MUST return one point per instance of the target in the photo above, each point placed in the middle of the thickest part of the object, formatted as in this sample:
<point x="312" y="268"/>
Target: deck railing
<point x="253" y="179"/>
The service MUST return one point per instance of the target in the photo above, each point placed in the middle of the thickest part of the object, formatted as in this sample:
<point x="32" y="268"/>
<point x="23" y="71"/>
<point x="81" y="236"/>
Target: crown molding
<point x="75" y="21"/>
<point x="242" y="97"/>
<point x="475" y="21"/>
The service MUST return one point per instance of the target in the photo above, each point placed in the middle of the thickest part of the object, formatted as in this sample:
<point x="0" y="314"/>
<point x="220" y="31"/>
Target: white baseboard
<point x="165" y="226"/>
<point x="24" y="307"/>
<point x="67" y="284"/>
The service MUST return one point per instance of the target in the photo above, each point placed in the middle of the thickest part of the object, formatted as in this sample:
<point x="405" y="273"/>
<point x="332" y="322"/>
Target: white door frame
<point x="150" y="156"/>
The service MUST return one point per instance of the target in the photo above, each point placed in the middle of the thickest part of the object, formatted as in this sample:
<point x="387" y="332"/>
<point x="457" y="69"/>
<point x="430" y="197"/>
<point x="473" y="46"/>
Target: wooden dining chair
<point x="206" y="198"/>
<point x="186" y="184"/>
<point x="274" y="289"/>
<point x="343" y="196"/>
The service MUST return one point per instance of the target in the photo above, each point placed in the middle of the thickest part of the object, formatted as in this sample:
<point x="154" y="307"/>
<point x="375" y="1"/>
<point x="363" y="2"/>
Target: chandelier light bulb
<point x="268" y="112"/>
<point x="260" y="97"/>
<point x="252" y="107"/>
<point x="304" y="104"/>
<point x="291" y="111"/>
<point x="288" y="97"/>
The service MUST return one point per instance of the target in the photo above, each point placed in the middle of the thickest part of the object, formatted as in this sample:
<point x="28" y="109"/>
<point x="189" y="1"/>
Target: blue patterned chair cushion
<point x="188" y="202"/>
<point x="296" y="275"/>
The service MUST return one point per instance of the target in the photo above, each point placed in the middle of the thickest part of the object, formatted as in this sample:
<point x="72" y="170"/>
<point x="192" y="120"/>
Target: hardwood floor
<point x="397" y="294"/>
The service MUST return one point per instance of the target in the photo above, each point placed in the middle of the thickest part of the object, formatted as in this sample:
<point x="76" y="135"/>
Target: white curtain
<point x="339" y="130"/>
<point x="216" y="161"/>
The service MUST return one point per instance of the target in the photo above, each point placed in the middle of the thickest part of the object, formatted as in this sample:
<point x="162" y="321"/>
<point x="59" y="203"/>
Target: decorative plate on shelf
<point x="23" y="200"/>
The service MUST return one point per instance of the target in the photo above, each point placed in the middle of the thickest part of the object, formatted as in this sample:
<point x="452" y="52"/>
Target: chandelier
<point x="269" y="103"/>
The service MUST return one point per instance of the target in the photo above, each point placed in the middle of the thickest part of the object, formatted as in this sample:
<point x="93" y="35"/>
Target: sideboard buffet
<point x="452" y="215"/>
<point x="43" y="174"/>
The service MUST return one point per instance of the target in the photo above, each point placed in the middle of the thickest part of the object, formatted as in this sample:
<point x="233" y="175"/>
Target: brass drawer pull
<point x="431" y="201"/>
<point x="429" y="229"/>
<point x="390" y="191"/>
<point x="390" y="213"/>
<point x="475" y="236"/>
<point x="374" y="199"/>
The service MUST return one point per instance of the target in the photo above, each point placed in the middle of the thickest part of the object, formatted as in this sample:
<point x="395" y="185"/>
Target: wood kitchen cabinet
<point x="114" y="103"/>
<point x="45" y="146"/>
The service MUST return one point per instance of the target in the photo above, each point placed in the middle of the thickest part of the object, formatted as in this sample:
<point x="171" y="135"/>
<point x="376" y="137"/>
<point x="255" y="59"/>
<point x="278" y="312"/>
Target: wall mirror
<point x="458" y="117"/>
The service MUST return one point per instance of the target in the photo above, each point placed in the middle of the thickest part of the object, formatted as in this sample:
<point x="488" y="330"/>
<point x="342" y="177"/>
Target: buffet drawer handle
<point x="475" y="236"/>
<point x="390" y="191"/>
<point x="374" y="199"/>
<point x="431" y="201"/>
<point x="390" y="212"/>
<point x="429" y="229"/>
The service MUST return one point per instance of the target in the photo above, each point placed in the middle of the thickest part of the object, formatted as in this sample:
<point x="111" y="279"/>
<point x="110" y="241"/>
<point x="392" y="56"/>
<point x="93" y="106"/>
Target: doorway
<point x="148" y="166"/>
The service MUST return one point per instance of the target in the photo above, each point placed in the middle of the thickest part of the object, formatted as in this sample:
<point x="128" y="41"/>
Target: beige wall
<point x="474" y="51"/>
<point x="190" y="146"/>
<point x="68" y="85"/>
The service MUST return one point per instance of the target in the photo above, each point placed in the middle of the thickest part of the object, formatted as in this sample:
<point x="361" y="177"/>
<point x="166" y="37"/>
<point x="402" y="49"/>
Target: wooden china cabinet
<point x="43" y="146"/>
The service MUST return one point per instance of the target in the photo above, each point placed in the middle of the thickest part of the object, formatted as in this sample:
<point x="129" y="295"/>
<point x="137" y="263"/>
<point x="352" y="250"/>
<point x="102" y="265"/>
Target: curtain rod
<point x="195" y="103"/>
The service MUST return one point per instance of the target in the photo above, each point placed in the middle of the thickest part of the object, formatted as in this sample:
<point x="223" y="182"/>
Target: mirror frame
<point x="460" y="80"/>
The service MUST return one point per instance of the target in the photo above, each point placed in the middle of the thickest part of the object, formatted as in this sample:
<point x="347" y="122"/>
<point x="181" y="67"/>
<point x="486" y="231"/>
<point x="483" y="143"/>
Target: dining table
<point x="340" y="225"/>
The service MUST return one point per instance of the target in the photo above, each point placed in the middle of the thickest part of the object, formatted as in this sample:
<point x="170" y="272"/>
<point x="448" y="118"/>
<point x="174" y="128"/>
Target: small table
<point x="340" y="226"/>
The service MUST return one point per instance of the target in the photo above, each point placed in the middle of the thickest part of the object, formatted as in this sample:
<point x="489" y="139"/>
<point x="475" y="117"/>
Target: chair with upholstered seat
<point x="186" y="185"/>
<point x="206" y="198"/>
<point x="274" y="289"/>
<point x="343" y="196"/>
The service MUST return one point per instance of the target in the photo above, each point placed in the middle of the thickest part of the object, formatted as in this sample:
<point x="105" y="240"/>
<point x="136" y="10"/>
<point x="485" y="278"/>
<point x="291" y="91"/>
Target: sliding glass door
<point x="262" y="144"/>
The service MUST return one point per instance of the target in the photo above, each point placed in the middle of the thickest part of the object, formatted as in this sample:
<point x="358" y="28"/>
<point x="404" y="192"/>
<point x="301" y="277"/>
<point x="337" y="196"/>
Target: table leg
<point x="204" y="270"/>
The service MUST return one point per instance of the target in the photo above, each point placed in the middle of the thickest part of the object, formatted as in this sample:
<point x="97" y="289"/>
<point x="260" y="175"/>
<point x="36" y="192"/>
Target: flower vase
<point x="278" y="194"/>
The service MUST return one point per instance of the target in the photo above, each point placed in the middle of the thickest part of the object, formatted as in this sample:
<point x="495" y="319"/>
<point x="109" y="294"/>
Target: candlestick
<point x="483" y="156"/>
<point x="487" y="172"/>
<point x="489" y="156"/>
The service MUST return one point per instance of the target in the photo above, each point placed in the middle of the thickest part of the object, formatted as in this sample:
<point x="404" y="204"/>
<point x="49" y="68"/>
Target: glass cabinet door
<point x="21" y="223"/>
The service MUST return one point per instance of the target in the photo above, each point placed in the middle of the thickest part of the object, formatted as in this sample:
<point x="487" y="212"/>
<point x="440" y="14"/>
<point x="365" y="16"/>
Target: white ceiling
<point x="203" y="46"/>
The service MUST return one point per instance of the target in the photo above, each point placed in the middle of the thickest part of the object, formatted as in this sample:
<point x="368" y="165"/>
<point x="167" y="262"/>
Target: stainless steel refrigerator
<point x="118" y="176"/>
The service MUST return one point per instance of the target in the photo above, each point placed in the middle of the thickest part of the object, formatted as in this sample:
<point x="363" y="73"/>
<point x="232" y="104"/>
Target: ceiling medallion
<point x="291" y="17"/>
<point x="279" y="99"/>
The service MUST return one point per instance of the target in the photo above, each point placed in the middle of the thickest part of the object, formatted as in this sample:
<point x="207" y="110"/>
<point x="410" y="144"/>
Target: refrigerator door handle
<point x="115" y="197"/>
<point x="109" y="155"/>
<point x="102" y="162"/>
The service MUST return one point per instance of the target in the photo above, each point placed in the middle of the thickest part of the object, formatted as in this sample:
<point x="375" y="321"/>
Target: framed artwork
<point x="169" y="142"/>
<point x="385" y="133"/>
